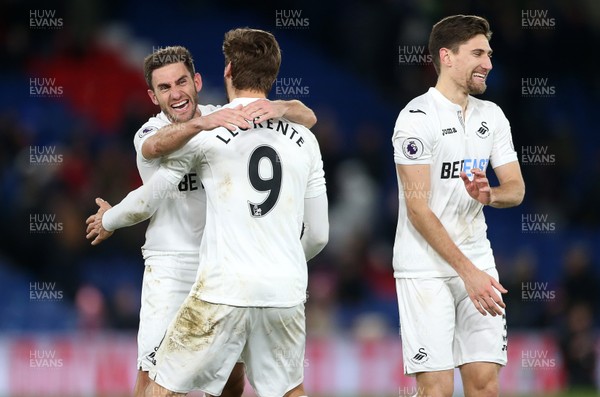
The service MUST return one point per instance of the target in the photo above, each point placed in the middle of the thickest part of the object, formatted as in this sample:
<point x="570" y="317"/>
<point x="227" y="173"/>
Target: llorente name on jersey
<point x="451" y="170"/>
<point x="281" y="126"/>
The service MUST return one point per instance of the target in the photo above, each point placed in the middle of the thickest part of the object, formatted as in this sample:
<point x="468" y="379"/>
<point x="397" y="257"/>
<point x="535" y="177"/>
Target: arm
<point x="316" y="225"/>
<point x="479" y="285"/>
<point x="294" y="110"/>
<point x="511" y="190"/>
<point x="138" y="206"/>
<point x="509" y="193"/>
<point x="173" y="136"/>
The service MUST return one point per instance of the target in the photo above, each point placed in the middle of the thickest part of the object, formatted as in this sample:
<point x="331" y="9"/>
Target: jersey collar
<point x="443" y="101"/>
<point x="439" y="97"/>
<point x="241" y="101"/>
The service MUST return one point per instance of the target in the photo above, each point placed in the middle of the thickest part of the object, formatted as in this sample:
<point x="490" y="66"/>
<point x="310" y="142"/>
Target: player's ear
<point x="227" y="72"/>
<point x="152" y="97"/>
<point x="198" y="81"/>
<point x="445" y="57"/>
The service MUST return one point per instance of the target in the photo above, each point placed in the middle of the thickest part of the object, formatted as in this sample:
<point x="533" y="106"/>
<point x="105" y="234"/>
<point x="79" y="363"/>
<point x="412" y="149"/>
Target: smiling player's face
<point x="175" y="90"/>
<point x="472" y="64"/>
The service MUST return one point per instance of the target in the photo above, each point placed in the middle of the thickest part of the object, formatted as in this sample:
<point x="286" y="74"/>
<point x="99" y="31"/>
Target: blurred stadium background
<point x="73" y="95"/>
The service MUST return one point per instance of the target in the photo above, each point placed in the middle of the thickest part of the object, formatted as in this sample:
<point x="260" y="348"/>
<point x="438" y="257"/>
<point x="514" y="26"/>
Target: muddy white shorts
<point x="441" y="329"/>
<point x="206" y="340"/>
<point x="168" y="280"/>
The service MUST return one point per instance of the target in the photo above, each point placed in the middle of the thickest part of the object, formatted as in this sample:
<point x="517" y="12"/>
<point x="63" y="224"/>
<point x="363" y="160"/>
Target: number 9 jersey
<point x="255" y="181"/>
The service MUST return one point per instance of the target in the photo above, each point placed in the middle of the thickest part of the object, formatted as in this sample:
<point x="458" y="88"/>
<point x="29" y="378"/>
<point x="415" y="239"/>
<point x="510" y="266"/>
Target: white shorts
<point x="206" y="340"/>
<point x="168" y="280"/>
<point x="441" y="329"/>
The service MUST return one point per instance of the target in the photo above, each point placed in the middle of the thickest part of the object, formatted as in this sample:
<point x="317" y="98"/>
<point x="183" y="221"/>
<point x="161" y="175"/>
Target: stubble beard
<point x="174" y="118"/>
<point x="474" y="88"/>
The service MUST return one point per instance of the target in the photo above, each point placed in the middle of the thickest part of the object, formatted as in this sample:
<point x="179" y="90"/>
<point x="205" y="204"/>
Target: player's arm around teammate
<point x="293" y="110"/>
<point x="172" y="137"/>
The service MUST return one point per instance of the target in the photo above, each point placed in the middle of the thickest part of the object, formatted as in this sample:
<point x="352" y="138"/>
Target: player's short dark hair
<point x="255" y="58"/>
<point x="453" y="31"/>
<point x="166" y="56"/>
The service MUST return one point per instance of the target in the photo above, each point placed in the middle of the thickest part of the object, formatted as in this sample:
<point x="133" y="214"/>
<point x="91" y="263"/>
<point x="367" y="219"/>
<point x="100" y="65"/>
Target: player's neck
<point x="233" y="94"/>
<point x="453" y="92"/>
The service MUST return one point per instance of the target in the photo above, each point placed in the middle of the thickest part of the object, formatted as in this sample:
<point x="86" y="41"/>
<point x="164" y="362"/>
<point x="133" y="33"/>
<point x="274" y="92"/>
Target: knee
<point x="483" y="388"/>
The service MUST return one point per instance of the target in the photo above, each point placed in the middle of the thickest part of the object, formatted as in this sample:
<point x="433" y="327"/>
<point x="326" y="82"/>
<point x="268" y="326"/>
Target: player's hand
<point x="479" y="187"/>
<point x="482" y="289"/>
<point x="230" y="118"/>
<point x="263" y="109"/>
<point x="94" y="229"/>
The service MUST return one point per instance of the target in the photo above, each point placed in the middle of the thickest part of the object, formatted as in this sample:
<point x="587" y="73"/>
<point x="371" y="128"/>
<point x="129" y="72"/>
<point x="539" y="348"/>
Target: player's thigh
<point x="427" y="315"/>
<point x="164" y="288"/>
<point x="274" y="354"/>
<point x="201" y="347"/>
<point x="478" y="338"/>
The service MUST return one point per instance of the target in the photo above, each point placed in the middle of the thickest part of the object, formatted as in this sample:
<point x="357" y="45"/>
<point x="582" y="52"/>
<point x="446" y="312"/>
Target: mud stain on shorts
<point x="194" y="327"/>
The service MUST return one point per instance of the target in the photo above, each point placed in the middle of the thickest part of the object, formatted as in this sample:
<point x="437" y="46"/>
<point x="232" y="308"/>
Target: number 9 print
<point x="271" y="185"/>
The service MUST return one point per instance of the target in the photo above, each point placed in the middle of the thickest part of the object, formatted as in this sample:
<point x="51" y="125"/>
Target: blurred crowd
<point x="351" y="288"/>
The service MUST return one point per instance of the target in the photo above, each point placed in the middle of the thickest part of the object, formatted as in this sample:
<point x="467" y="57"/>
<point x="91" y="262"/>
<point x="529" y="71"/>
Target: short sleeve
<point x="503" y="149"/>
<point x="412" y="140"/>
<point x="146" y="131"/>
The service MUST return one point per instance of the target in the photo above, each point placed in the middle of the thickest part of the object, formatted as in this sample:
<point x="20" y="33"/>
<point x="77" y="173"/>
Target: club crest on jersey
<point x="412" y="148"/>
<point x="483" y="131"/>
<point x="147" y="130"/>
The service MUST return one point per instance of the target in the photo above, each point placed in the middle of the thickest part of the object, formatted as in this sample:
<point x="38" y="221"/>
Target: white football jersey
<point x="430" y="130"/>
<point x="178" y="223"/>
<point x="256" y="181"/>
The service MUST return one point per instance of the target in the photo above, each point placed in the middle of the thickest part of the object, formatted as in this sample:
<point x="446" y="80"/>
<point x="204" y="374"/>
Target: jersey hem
<point x="433" y="273"/>
<point x="244" y="303"/>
